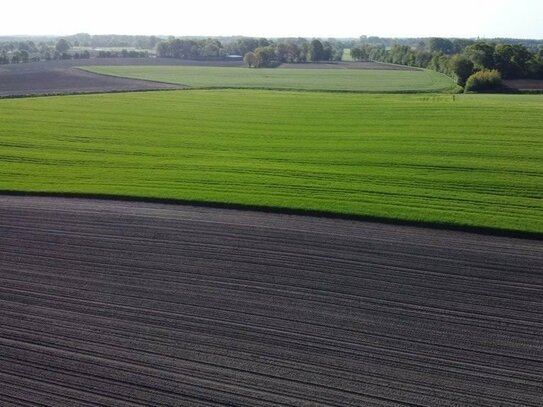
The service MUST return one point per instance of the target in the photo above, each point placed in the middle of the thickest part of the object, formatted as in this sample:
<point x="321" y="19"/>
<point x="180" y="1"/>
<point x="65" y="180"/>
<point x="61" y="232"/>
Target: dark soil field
<point x="128" y="304"/>
<point x="62" y="77"/>
<point x="524" y="84"/>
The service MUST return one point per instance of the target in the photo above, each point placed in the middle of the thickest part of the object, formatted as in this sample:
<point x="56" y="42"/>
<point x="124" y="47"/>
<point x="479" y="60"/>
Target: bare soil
<point x="116" y="303"/>
<point x="62" y="77"/>
<point x="524" y="84"/>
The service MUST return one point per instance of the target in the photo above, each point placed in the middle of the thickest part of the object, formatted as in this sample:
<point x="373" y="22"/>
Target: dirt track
<point x="125" y="304"/>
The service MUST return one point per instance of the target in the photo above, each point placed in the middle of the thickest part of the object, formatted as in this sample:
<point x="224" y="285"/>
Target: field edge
<point x="284" y="210"/>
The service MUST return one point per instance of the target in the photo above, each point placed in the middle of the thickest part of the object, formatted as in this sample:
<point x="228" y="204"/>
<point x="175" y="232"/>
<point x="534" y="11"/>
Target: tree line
<point x="29" y="51"/>
<point x="15" y="52"/>
<point x="256" y="52"/>
<point x="294" y="50"/>
<point x="460" y="59"/>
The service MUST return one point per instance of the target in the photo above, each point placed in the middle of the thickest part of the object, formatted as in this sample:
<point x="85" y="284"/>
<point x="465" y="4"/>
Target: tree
<point x="316" y="50"/>
<point x="423" y="59"/>
<point x="328" y="52"/>
<point x="503" y="61"/>
<point x="62" y="46"/>
<point x="295" y="53"/>
<point x="441" y="45"/>
<point x="461" y="44"/>
<point x="250" y="59"/>
<point x="534" y="66"/>
<point x="152" y="42"/>
<point x="25" y="56"/>
<point x="282" y="52"/>
<point x="243" y="45"/>
<point x="461" y="67"/>
<point x="263" y="42"/>
<point x="265" y="56"/>
<point x="481" y="54"/>
<point x="4" y="59"/>
<point x="521" y="58"/>
<point x="163" y="49"/>
<point x="360" y="53"/>
<point x="16" y="57"/>
<point x="356" y="53"/>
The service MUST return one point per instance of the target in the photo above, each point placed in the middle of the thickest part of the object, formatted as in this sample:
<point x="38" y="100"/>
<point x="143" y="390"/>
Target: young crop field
<point x="356" y="80"/>
<point x="455" y="160"/>
<point x="347" y="55"/>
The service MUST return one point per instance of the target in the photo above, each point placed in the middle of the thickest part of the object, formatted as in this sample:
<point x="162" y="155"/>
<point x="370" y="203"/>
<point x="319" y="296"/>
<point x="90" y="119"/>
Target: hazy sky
<point x="278" y="18"/>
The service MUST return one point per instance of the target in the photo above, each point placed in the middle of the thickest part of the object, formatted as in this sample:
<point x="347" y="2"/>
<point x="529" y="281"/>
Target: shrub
<point x="484" y="80"/>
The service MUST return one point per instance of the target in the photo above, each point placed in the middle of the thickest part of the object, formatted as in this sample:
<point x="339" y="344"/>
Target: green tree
<point x="316" y="50"/>
<point x="356" y="53"/>
<point x="481" y="54"/>
<point x="461" y="67"/>
<point x="504" y="62"/>
<point x="282" y="52"/>
<point x="250" y="59"/>
<point x="25" y="56"/>
<point x="16" y="57"/>
<point x="441" y="45"/>
<point x="265" y="56"/>
<point x="360" y="53"/>
<point x="62" y="46"/>
<point x="4" y="59"/>
<point x="163" y="49"/>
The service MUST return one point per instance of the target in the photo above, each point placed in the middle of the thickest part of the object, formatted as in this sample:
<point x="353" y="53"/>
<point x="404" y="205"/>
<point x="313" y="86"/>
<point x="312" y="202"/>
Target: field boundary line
<point x="282" y="210"/>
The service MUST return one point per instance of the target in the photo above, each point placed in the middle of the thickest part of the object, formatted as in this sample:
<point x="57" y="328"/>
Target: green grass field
<point x="356" y="80"/>
<point x="347" y="55"/>
<point x="472" y="161"/>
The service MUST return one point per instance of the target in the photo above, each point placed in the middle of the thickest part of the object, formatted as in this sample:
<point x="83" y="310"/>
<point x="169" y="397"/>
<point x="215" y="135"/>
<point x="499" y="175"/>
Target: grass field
<point x="347" y="55"/>
<point x="475" y="160"/>
<point x="300" y="79"/>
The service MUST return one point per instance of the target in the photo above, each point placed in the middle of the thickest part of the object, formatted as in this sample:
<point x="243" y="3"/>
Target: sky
<point x="277" y="18"/>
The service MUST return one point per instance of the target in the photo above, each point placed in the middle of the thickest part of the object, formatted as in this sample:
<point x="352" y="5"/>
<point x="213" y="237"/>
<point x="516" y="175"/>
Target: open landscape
<point x="272" y="220"/>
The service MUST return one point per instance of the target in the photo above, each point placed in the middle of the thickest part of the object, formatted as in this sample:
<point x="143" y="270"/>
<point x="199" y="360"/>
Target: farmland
<point x="222" y="293"/>
<point x="129" y="303"/>
<point x="463" y="160"/>
<point x="356" y="80"/>
<point x="63" y="77"/>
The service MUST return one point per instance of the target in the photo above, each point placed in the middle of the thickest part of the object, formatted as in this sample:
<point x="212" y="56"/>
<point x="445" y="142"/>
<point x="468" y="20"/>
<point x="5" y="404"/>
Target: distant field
<point x="525" y="84"/>
<point x="475" y="160"/>
<point x="347" y="55"/>
<point x="299" y="79"/>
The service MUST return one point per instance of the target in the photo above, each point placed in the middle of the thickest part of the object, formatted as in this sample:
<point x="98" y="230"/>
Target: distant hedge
<point x="484" y="80"/>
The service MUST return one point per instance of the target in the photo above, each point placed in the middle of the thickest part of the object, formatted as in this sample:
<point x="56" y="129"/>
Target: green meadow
<point x="355" y="80"/>
<point x="458" y="160"/>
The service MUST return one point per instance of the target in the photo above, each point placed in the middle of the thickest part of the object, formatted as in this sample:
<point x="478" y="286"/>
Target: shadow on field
<point x="290" y="211"/>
